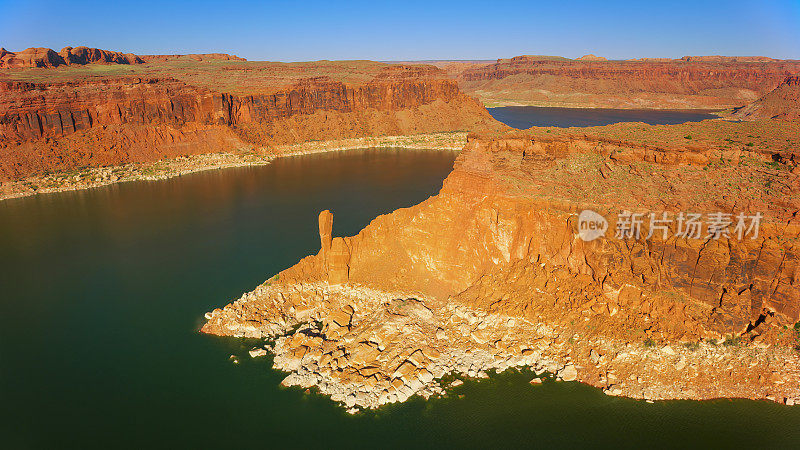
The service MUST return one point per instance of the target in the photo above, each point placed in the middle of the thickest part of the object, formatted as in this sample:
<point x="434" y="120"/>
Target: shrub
<point x="692" y="346"/>
<point x="732" y="341"/>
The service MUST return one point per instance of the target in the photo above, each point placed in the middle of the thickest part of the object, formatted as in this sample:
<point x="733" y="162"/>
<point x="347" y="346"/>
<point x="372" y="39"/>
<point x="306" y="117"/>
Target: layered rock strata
<point x="781" y="103"/>
<point x="48" y="58"/>
<point x="492" y="273"/>
<point x="58" y="126"/>
<point x="693" y="82"/>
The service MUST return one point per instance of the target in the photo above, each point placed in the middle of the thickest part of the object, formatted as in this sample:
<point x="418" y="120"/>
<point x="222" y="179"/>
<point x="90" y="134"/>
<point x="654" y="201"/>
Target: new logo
<point x="591" y="225"/>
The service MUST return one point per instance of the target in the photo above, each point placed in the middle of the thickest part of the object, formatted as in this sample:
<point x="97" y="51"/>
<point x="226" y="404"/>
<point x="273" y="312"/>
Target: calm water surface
<point x="523" y="117"/>
<point x="103" y="291"/>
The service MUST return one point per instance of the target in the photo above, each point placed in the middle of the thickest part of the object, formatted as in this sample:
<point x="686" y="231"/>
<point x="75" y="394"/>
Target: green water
<point x="102" y="293"/>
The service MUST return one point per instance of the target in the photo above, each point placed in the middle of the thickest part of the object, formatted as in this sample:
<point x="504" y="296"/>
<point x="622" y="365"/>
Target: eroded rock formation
<point x="492" y="273"/>
<point x="325" y="233"/>
<point x="781" y="103"/>
<point x="48" y="58"/>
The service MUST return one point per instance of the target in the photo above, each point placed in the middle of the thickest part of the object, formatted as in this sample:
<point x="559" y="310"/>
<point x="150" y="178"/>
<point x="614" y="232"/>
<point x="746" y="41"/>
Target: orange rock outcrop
<point x="325" y="235"/>
<point x="492" y="273"/>
<point x="48" y="58"/>
<point x="781" y="103"/>
<point x="41" y="57"/>
<point x="506" y="206"/>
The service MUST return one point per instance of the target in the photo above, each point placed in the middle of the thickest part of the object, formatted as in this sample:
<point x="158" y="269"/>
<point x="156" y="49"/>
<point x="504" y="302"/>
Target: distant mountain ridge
<point x="48" y="58"/>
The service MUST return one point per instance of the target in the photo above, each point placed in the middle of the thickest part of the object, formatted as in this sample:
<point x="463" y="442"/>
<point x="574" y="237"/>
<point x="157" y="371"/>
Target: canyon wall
<point x="694" y="82"/>
<point x="101" y="118"/>
<point x="781" y="103"/>
<point x="503" y="236"/>
<point x="499" y="270"/>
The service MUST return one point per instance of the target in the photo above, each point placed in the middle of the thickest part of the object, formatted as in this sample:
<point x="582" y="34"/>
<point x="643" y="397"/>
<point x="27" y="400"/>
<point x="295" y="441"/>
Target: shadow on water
<point x="103" y="291"/>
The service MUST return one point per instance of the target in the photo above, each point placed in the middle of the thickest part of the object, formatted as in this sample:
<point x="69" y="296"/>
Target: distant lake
<point x="523" y="117"/>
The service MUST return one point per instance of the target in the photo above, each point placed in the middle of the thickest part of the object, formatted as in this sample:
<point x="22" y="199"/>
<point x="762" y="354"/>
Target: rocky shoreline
<point x="169" y="168"/>
<point x="102" y="176"/>
<point x="366" y="348"/>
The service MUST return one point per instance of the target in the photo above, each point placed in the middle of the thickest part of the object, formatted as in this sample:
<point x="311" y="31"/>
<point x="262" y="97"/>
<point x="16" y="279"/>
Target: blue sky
<point x="400" y="30"/>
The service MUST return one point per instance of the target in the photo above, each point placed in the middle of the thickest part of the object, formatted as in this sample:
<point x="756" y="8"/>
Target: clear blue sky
<point x="399" y="30"/>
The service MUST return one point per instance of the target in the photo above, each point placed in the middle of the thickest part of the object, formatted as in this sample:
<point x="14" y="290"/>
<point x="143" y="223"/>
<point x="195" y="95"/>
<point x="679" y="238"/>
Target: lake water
<point x="523" y="117"/>
<point x="102" y="293"/>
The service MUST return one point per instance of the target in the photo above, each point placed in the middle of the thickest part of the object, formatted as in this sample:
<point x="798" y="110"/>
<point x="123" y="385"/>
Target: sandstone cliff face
<point x="85" y="55"/>
<point x="501" y="236"/>
<point x="32" y="57"/>
<point x="491" y="273"/>
<point x="32" y="110"/>
<point x="45" y="57"/>
<point x="690" y="83"/>
<point x="398" y="100"/>
<point x="781" y="103"/>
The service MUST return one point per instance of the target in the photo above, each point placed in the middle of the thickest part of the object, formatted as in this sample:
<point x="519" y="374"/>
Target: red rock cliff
<point x="397" y="100"/>
<point x="781" y="103"/>
<point x="495" y="266"/>
<point x="45" y="57"/>
<point x="502" y="235"/>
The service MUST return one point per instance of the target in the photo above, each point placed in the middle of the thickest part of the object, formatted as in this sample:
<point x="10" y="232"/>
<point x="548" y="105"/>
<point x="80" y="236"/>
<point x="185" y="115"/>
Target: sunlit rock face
<point x="492" y="273"/>
<point x="781" y="103"/>
<point x="59" y="124"/>
<point x="691" y="82"/>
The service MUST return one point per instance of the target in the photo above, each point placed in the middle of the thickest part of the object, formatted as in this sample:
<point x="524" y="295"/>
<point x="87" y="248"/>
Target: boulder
<point x="424" y="376"/>
<point x="594" y="356"/>
<point x="257" y="352"/>
<point x="568" y="373"/>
